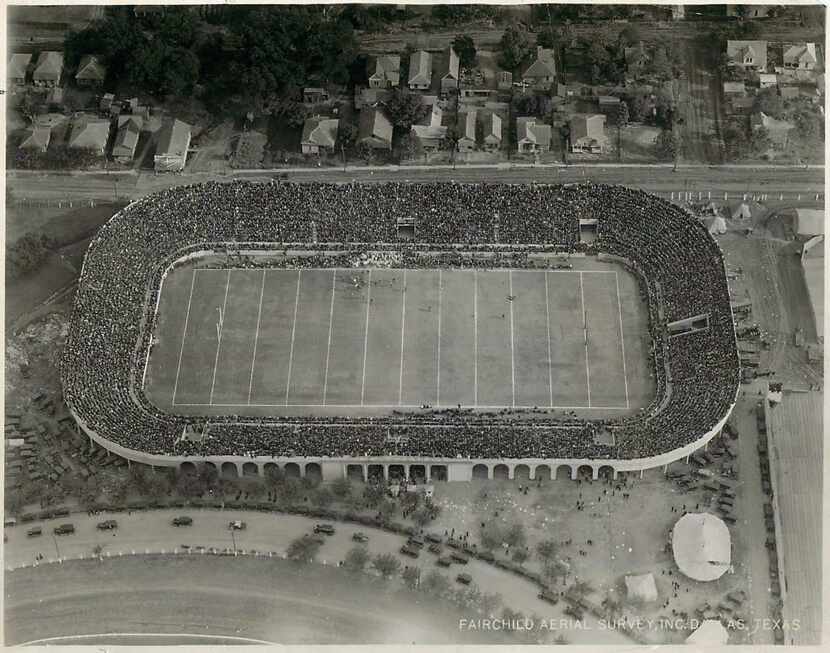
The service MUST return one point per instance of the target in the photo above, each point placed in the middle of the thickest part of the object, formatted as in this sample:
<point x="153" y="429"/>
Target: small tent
<point x="742" y="212"/>
<point x="718" y="226"/>
<point x="710" y="633"/>
<point x="641" y="588"/>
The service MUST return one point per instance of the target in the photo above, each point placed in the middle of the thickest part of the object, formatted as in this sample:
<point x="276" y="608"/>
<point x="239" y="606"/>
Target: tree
<point x="386" y="509"/>
<point x="346" y="136"/>
<point x="547" y="550"/>
<point x="554" y="569"/>
<point x="274" y="477"/>
<point x="341" y="488"/>
<point x="666" y="145"/>
<point x="356" y="558"/>
<point x="622" y="114"/>
<point x="290" y="491"/>
<point x="769" y="102"/>
<point x="409" y="501"/>
<point x="13" y="502"/>
<point x="629" y="35"/>
<point x="759" y="140"/>
<point x="519" y="556"/>
<point x="465" y="48"/>
<point x="516" y="48"/>
<point x="580" y="589"/>
<point x="808" y="125"/>
<point x="435" y="583"/>
<point x="303" y="549"/>
<point x="28" y="254"/>
<point x="422" y="516"/>
<point x="597" y="54"/>
<point x="323" y="497"/>
<point x="374" y="493"/>
<point x="489" y="603"/>
<point x="386" y="564"/>
<point x="404" y="109"/>
<point x="515" y="535"/>
<point x="411" y="577"/>
<point x="491" y="535"/>
<point x="548" y="37"/>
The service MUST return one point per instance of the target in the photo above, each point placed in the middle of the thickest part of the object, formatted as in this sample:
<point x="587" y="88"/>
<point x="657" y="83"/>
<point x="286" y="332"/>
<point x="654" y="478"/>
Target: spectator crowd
<point x="678" y="265"/>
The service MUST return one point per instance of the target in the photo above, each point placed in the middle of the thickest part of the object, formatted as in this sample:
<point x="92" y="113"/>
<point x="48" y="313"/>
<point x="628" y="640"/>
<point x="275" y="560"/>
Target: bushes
<point x="28" y="254"/>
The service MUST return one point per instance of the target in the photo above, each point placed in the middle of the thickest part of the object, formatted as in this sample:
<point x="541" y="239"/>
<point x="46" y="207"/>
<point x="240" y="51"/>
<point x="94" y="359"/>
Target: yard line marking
<point x="403" y="324"/>
<point x="256" y="335"/>
<point x="219" y="335"/>
<point x="512" y="348"/>
<point x="622" y="338"/>
<point x="366" y="337"/>
<point x="328" y="347"/>
<point x="547" y="320"/>
<point x="395" y="406"/>
<point x="585" y="337"/>
<point x="293" y="333"/>
<point x="475" y="337"/>
<point x="184" y="335"/>
<point x="438" y="376"/>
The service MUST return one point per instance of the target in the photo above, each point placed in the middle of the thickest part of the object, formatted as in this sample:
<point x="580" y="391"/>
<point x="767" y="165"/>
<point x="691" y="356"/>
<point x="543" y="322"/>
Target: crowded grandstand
<point x="678" y="264"/>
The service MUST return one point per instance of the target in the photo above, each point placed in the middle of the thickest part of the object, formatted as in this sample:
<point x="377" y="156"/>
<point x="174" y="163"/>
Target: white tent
<point x="742" y="212"/>
<point x="718" y="226"/>
<point x="710" y="633"/>
<point x="641" y="587"/>
<point x="702" y="546"/>
<point x="810" y="222"/>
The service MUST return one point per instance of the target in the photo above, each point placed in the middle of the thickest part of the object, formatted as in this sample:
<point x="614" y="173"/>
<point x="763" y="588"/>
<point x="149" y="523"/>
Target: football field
<point x="360" y="341"/>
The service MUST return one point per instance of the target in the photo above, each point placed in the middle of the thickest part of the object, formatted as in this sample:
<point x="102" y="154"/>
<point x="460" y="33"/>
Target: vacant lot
<point x="358" y="341"/>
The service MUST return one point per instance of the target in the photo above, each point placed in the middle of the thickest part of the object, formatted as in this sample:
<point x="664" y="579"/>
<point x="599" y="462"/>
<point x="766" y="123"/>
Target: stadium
<point x="428" y="331"/>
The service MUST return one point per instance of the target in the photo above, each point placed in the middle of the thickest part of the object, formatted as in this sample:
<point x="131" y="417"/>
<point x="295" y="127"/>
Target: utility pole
<point x="57" y="549"/>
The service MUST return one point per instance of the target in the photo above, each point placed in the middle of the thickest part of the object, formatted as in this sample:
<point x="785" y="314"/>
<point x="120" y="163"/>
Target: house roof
<point x="504" y="77"/>
<point x="544" y="64"/>
<point x="588" y="126"/>
<point x="91" y="68"/>
<point x="435" y="113"/>
<point x="734" y="87"/>
<point x="49" y="65"/>
<point x="374" y="124"/>
<point x="36" y="138"/>
<point x="429" y="132"/>
<point x="773" y="125"/>
<point x="173" y="139"/>
<point x="320" y="131"/>
<point x="126" y="138"/>
<point x="18" y="64"/>
<point x="90" y="133"/>
<point x="450" y="65"/>
<point x="528" y="130"/>
<point x="370" y="96"/>
<point x="800" y="52"/>
<point x="420" y="67"/>
<point x="608" y="99"/>
<point x="388" y="68"/>
<point x="468" y="124"/>
<point x="735" y="51"/>
<point x="492" y="126"/>
<point x="768" y="78"/>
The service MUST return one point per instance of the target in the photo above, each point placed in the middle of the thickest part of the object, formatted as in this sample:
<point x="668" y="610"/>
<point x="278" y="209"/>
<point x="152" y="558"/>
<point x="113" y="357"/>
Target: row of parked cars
<point x="415" y="543"/>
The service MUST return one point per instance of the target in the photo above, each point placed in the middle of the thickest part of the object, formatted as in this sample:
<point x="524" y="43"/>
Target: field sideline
<point x="360" y="341"/>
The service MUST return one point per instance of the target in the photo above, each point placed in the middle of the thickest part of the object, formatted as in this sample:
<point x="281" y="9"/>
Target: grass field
<point x="369" y="341"/>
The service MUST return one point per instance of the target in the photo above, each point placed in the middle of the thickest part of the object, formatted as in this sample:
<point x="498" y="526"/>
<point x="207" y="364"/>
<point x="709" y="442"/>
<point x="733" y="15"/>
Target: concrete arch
<point x="250" y="469"/>
<point x="376" y="473"/>
<point x="481" y="472"/>
<point x="563" y="471"/>
<point x="542" y="472"/>
<point x="292" y="470"/>
<point x="437" y="473"/>
<point x="396" y="472"/>
<point x="606" y="472"/>
<point x="187" y="467"/>
<point x="229" y="471"/>
<point x="210" y="466"/>
<point x="585" y="472"/>
<point x="314" y="472"/>
<point x="418" y="473"/>
<point x="501" y="472"/>
<point x="355" y="473"/>
<point x="269" y="469"/>
<point x="521" y="472"/>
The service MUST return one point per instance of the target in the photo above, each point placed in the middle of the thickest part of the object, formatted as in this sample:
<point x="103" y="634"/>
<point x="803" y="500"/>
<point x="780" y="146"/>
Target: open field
<point x="370" y="341"/>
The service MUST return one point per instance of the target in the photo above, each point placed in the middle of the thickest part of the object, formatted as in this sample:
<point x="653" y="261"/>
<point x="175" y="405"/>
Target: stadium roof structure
<point x="702" y="546"/>
<point x="138" y="246"/>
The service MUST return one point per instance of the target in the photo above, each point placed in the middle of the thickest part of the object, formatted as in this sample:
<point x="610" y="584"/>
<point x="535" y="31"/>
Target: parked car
<point x="36" y="531"/>
<point x="107" y="525"/>
<point x="434" y="538"/>
<point x="64" y="529"/>
<point x="9" y="521"/>
<point x="360" y="537"/>
<point x="459" y="557"/>
<point x="416" y="540"/>
<point x="549" y="596"/>
<point x="435" y="548"/>
<point x="182" y="521"/>
<point x="444" y="561"/>
<point x="61" y="512"/>
<point x="464" y="579"/>
<point x="411" y="551"/>
<point x="327" y="529"/>
<point x="237" y="525"/>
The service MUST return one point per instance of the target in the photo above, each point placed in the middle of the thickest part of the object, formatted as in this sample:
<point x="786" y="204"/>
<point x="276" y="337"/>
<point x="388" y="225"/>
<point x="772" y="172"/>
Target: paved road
<point x="151" y="531"/>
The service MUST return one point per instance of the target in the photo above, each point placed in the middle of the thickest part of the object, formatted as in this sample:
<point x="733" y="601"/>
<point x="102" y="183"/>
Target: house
<point x="532" y="137"/>
<point x="541" y="74"/>
<point x="90" y="134"/>
<point x="467" y="131"/>
<point x="449" y="72"/>
<point x="315" y="95"/>
<point x="126" y="138"/>
<point x="48" y="69"/>
<point x="734" y="88"/>
<point x="574" y="89"/>
<point x="370" y="97"/>
<point x="751" y="55"/>
<point x="504" y="80"/>
<point x="608" y="105"/>
<point x="587" y="133"/>
<point x="420" y="71"/>
<point x="777" y="130"/>
<point x="36" y="138"/>
<point x="171" y="147"/>
<point x="374" y="129"/>
<point x="435" y="114"/>
<point x="385" y="71"/>
<point x="429" y="136"/>
<point x="18" y="68"/>
<point x="789" y="92"/>
<point x="90" y="72"/>
<point x="492" y="131"/>
<point x="801" y="56"/>
<point x="319" y="134"/>
<point x="768" y="80"/>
